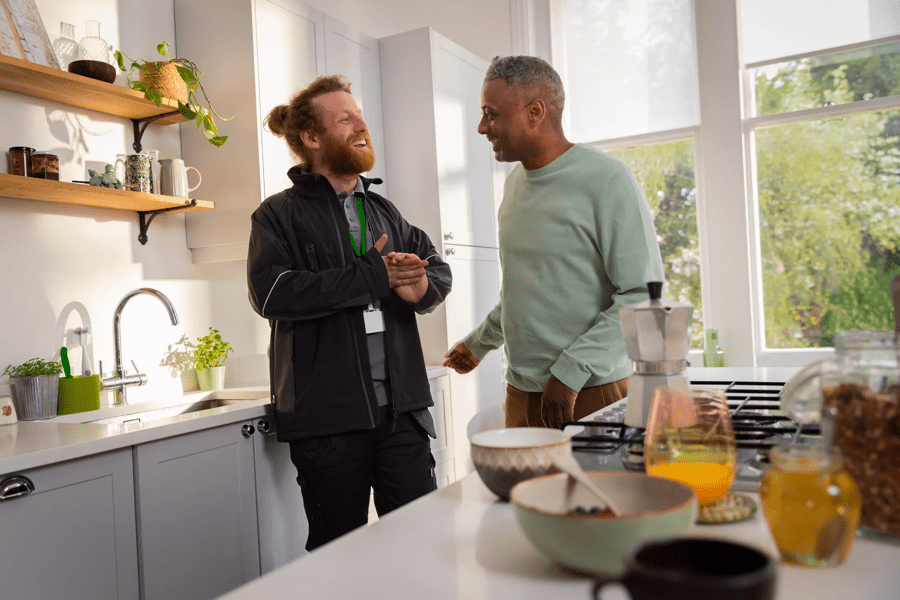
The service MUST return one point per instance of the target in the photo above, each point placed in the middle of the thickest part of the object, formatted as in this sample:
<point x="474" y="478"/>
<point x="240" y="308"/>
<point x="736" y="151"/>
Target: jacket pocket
<point x="311" y="257"/>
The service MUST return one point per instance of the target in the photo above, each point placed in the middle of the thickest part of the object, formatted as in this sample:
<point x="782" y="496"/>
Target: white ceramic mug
<point x="173" y="179"/>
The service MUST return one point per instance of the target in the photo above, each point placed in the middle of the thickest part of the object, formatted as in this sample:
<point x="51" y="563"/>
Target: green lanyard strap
<point x="362" y="225"/>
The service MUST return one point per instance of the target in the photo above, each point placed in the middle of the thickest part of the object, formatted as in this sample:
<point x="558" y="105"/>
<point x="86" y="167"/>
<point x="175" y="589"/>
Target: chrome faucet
<point x="119" y="381"/>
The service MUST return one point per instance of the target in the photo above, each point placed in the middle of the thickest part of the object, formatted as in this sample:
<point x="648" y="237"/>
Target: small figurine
<point x="107" y="179"/>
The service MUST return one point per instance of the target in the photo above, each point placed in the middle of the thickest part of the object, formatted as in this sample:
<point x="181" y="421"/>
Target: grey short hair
<point x="529" y="70"/>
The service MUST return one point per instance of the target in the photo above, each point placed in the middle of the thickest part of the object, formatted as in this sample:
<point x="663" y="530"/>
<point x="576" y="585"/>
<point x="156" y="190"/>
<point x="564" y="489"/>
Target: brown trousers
<point x="523" y="409"/>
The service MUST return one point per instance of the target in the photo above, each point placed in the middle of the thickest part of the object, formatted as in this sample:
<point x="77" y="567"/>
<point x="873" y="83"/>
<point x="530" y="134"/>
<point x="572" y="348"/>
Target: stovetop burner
<point x="608" y="444"/>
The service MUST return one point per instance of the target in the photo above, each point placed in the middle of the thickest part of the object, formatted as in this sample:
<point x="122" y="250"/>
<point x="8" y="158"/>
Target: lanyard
<point x="362" y="225"/>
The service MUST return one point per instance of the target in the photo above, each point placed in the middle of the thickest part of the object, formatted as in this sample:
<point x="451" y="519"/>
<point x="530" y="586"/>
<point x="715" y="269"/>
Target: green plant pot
<point x="211" y="378"/>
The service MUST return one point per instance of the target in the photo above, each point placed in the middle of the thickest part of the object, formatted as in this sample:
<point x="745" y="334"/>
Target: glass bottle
<point x="92" y="46"/>
<point x="713" y="355"/>
<point x="65" y="46"/>
<point x="811" y="504"/>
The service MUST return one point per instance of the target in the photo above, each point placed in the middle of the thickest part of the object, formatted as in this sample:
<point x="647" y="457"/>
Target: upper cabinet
<point x="441" y="171"/>
<point x="275" y="48"/>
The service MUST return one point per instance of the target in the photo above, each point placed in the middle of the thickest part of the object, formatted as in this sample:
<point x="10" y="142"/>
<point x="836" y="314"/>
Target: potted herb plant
<point x="35" y="388"/>
<point x="153" y="76"/>
<point x="180" y="359"/>
<point x="209" y="359"/>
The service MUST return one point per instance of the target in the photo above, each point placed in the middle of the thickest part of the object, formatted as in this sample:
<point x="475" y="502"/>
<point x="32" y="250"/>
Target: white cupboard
<point x="275" y="48"/>
<point x="196" y="506"/>
<point x="68" y="530"/>
<point x="445" y="181"/>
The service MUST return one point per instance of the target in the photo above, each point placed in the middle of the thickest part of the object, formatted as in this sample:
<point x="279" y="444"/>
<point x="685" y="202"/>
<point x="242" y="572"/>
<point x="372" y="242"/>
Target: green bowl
<point x="654" y="507"/>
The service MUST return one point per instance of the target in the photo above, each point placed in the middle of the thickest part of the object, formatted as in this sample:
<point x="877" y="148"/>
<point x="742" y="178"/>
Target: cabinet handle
<point x="15" y="486"/>
<point x="247" y="430"/>
<point x="264" y="426"/>
<point x="451" y="250"/>
<point x="448" y="236"/>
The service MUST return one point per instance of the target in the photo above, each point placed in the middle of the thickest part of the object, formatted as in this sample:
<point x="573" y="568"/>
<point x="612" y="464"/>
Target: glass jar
<point x="65" y="46"/>
<point x="45" y="165"/>
<point x="18" y="161"/>
<point x="92" y="46"/>
<point x="856" y="395"/>
<point x="812" y="506"/>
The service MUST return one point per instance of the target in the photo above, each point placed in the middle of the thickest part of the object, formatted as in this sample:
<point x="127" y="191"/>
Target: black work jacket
<point x="304" y="277"/>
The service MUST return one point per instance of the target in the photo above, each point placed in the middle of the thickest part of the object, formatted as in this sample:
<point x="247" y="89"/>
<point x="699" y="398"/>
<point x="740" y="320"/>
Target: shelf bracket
<point x="147" y="216"/>
<point x="140" y="125"/>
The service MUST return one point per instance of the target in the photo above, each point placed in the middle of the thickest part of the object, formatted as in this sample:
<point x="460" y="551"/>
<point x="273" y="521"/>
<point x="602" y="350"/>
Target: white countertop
<point x="462" y="543"/>
<point x="30" y="444"/>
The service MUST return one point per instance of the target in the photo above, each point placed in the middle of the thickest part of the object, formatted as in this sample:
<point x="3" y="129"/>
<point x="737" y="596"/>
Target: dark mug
<point x="697" y="569"/>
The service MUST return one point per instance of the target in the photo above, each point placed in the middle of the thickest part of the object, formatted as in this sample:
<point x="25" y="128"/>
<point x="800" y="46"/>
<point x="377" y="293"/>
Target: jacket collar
<point x="298" y="175"/>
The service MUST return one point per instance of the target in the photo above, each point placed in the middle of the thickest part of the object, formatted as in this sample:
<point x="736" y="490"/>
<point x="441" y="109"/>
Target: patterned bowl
<point x="505" y="457"/>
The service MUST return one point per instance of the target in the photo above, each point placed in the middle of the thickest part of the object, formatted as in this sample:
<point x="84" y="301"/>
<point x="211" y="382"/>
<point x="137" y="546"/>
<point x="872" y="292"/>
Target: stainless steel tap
<point x="119" y="381"/>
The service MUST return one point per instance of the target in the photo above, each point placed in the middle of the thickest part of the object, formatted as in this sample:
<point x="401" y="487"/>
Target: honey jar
<point x="18" y="161"/>
<point x="45" y="165"/>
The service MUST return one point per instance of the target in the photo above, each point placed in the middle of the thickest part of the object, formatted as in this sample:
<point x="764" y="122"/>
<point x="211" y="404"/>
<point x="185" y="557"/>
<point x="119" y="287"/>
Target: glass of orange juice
<point x="690" y="439"/>
<point x="811" y="504"/>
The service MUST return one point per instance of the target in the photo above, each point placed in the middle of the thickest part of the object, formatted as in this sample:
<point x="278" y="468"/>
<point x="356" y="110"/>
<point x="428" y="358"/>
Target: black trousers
<point x="336" y="473"/>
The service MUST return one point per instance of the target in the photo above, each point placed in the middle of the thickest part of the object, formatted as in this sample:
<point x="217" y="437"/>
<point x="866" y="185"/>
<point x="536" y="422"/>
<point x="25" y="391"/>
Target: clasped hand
<point x="406" y="272"/>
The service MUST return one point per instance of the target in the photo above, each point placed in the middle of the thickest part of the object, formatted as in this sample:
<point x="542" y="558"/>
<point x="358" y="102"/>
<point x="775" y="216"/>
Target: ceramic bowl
<point x="654" y="508"/>
<point x="505" y="457"/>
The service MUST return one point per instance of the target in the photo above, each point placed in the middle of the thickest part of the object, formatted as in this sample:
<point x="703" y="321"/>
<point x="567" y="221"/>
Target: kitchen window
<point x="787" y="114"/>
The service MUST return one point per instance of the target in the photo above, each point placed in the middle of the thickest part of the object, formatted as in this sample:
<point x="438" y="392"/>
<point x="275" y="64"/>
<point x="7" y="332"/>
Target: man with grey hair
<point x="577" y="243"/>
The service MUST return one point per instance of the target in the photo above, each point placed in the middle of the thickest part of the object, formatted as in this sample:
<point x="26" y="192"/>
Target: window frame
<point x="726" y="173"/>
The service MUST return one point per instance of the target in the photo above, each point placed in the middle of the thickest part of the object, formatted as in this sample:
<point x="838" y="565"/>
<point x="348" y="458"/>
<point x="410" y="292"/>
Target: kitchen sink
<point x="171" y="411"/>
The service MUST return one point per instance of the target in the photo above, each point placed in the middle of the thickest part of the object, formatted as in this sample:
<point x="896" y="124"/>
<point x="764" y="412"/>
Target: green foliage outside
<point x="666" y="174"/>
<point x="829" y="205"/>
<point x="34" y="368"/>
<point x="211" y="350"/>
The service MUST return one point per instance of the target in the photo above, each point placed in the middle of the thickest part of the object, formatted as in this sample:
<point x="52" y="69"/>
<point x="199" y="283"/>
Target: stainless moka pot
<point x="656" y="339"/>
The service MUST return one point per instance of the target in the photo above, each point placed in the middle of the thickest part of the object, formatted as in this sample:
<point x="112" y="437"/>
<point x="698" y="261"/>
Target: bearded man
<point x="340" y="275"/>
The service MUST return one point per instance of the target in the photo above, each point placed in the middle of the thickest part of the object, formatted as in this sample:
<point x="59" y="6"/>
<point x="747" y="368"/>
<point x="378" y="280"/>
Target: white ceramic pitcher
<point x="173" y="179"/>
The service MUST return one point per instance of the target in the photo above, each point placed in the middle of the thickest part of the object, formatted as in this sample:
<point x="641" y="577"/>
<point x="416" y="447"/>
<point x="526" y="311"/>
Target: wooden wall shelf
<point x="79" y="194"/>
<point x="30" y="79"/>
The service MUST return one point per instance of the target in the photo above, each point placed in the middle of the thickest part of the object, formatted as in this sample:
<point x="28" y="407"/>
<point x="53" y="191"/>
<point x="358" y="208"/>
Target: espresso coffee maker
<point x="656" y="339"/>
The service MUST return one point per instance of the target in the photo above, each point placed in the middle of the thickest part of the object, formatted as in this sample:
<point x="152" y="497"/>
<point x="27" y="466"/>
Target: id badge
<point x="374" y="321"/>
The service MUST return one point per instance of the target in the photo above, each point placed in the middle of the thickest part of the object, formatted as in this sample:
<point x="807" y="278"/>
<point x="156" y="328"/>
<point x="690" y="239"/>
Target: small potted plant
<point x="153" y="76"/>
<point x="35" y="388"/>
<point x="180" y="359"/>
<point x="209" y="359"/>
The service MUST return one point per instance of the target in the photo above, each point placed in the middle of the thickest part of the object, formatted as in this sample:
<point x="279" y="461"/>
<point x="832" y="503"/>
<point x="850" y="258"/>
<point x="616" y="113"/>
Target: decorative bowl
<point x="505" y="457"/>
<point x="654" y="507"/>
<point x="94" y="69"/>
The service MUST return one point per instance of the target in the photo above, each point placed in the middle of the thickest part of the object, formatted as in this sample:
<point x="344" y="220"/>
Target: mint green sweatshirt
<point x="577" y="243"/>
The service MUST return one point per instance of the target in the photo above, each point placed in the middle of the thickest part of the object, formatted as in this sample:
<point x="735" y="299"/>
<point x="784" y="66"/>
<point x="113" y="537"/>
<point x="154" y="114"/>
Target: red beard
<point x="341" y="158"/>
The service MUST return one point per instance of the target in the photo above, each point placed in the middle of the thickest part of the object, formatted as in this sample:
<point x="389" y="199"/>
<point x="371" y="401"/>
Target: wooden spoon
<point x="567" y="464"/>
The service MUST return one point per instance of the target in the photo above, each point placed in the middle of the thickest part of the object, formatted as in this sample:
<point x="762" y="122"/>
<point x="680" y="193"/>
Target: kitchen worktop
<point x="461" y="542"/>
<point x="30" y="444"/>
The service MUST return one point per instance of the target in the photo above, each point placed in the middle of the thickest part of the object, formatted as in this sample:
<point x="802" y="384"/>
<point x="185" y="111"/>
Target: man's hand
<point x="460" y="359"/>
<point x="557" y="403"/>
<point x="406" y="273"/>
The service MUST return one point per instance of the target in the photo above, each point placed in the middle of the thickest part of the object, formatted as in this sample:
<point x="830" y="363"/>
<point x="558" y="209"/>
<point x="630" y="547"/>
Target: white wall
<point x="58" y="260"/>
<point x="55" y="255"/>
<point x="480" y="26"/>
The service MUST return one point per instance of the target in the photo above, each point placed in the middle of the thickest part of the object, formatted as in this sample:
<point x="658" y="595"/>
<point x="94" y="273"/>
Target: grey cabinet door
<point x="196" y="507"/>
<point x="283" y="528"/>
<point x="74" y="535"/>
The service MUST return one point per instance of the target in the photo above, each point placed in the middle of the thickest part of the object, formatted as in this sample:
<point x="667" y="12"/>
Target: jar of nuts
<point x="858" y="395"/>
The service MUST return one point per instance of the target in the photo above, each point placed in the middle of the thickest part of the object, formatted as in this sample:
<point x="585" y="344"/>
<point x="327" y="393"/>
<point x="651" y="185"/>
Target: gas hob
<point x="606" y="443"/>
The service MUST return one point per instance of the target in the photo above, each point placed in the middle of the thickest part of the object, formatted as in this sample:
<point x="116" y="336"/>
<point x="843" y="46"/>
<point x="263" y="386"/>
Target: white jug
<point x="173" y="178"/>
